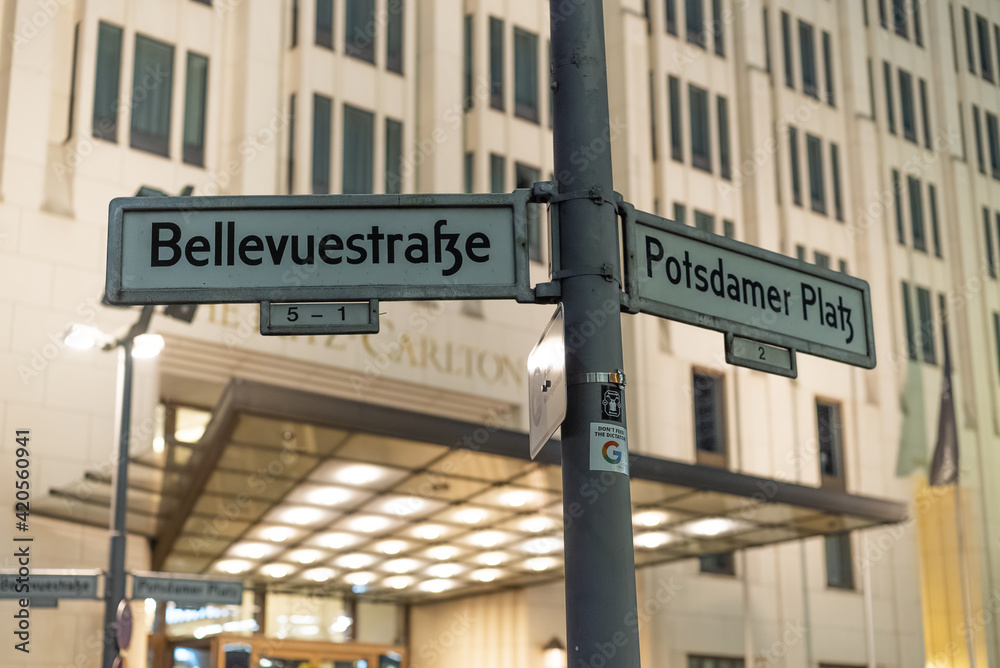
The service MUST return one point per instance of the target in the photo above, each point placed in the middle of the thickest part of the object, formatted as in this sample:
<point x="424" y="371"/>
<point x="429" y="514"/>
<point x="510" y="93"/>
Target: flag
<point x="912" y="454"/>
<point x="944" y="465"/>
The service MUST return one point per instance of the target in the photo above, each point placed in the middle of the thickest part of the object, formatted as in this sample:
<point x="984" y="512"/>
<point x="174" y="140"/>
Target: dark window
<point x="72" y="81"/>
<point x="324" y="23"/>
<point x="935" y="232"/>
<point x="830" y="441"/>
<point x="108" y="76"/>
<point x="359" y="142"/>
<point x="906" y="103"/>
<point x="786" y="44"/>
<point x="729" y="229"/>
<point x="195" y="98"/>
<point x="838" y="205"/>
<point x="977" y="128"/>
<point x="916" y="214"/>
<point x="526" y="176"/>
<point x="701" y="141"/>
<point x="828" y="69"/>
<point x="721" y="563"/>
<point x="807" y="50"/>
<point x="704" y="221"/>
<point x="926" y="314"/>
<point x="498" y="173"/>
<point x="899" y="17"/>
<point x="713" y="662"/>
<point x="990" y="257"/>
<point x="897" y="188"/>
<point x="709" y="415"/>
<point x="821" y="260"/>
<point x="842" y="266"/>
<point x="393" y="157"/>
<point x="800" y="252"/>
<point x="470" y="172"/>
<point x="671" y="10"/>
<point x="725" y="166"/>
<point x="970" y="49"/>
<point x="925" y="111"/>
<point x="291" y="144"/>
<point x="654" y="139"/>
<point x="839" y="570"/>
<point x="918" y="34"/>
<point x="985" y="52"/>
<point x="718" y="29"/>
<point x="890" y="111"/>
<point x="814" y="160"/>
<point x="152" y="94"/>
<point x="993" y="136"/>
<point x="359" y="36"/>
<point x="911" y="333"/>
<point x="680" y="213"/>
<point x="996" y="336"/>
<point x="676" y="124"/>
<point x="871" y="90"/>
<point x="525" y="75"/>
<point x="496" y="64"/>
<point x="322" y="119"/>
<point x="468" y="95"/>
<point x="295" y="23"/>
<point x="767" y="41"/>
<point x="394" y="37"/>
<point x="793" y="165"/>
<point x="881" y="14"/>
<point x="996" y="38"/>
<point x="694" y="15"/>
<point x="954" y="40"/>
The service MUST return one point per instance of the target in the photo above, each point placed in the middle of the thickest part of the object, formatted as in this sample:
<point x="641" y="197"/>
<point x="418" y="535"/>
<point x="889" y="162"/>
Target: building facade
<point x="861" y="136"/>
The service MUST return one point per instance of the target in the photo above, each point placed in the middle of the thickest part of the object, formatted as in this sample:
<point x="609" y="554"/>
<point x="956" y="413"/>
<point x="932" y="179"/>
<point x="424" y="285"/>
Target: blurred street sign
<point x="547" y="384"/>
<point x="326" y="318"/>
<point x="186" y="590"/>
<point x="49" y="584"/>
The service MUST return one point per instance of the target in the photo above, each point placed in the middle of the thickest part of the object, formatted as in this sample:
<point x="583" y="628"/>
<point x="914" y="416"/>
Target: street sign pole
<point x="599" y="557"/>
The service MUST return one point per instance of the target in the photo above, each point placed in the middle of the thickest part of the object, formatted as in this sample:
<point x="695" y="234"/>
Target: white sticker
<point x="608" y="447"/>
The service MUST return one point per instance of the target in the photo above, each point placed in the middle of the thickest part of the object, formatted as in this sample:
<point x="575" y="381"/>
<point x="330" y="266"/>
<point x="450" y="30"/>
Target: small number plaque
<point x="760" y="356"/>
<point x="326" y="318"/>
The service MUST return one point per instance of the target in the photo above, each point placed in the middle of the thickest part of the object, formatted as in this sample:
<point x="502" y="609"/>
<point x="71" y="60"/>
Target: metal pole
<point x="114" y="583"/>
<point x="600" y="563"/>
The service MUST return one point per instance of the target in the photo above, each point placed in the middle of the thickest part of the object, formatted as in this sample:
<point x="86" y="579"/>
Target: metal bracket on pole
<point x="616" y="377"/>
<point x="548" y="293"/>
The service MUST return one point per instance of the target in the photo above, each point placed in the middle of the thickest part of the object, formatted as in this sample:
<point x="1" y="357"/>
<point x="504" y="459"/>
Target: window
<point x="713" y="662"/>
<point x="925" y="112"/>
<point x="393" y="157"/>
<point x="721" y="563"/>
<point x="800" y="252"/>
<point x="842" y="266"/>
<point x="871" y="91"/>
<point x="152" y="75"/>
<point x="996" y="38"/>
<point x="839" y="570"/>
<point x="881" y="14"/>
<point x="496" y="63"/>
<point x="72" y="80"/>
<point x="468" y="95"/>
<point x="828" y="69"/>
<point x="525" y="75"/>
<point x="978" y="131"/>
<point x="829" y="439"/>
<point x="786" y="43"/>
<point x="718" y="29"/>
<point x="970" y="49"/>
<point x="916" y="214"/>
<point x="807" y="50"/>
<point x="526" y="176"/>
<point x="359" y="38"/>
<point x="694" y="14"/>
<point x="935" y="232"/>
<point x="653" y="138"/>
<point x="767" y="41"/>
<point x="897" y="188"/>
<point x="918" y="35"/>
<point x="108" y="75"/>
<point x="709" y="419"/>
<point x="324" y="23"/>
<point x="359" y="142"/>
<point x="814" y="159"/>
<point x="985" y="52"/>
<point x="996" y="336"/>
<point x="394" y="37"/>
<point x="701" y="141"/>
<point x="704" y="221"/>
<point x="676" y="126"/>
<point x="671" y="11"/>
<point x="838" y="205"/>
<point x="906" y="103"/>
<point x="899" y="17"/>
<point x="498" y="171"/>
<point x="295" y="24"/>
<point x="821" y="260"/>
<point x="990" y="258"/>
<point x="926" y="315"/>
<point x="961" y="131"/>
<point x="793" y="164"/>
<point x="470" y="172"/>
<point x="680" y="213"/>
<point x="890" y="112"/>
<point x="725" y="166"/>
<point x="195" y="95"/>
<point x="291" y="144"/>
<point x="911" y="334"/>
<point x="993" y="136"/>
<point x="729" y="229"/>
<point x="322" y="118"/>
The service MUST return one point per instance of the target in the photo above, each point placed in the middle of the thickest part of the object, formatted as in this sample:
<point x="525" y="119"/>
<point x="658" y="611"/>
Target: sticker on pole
<point x="608" y="447"/>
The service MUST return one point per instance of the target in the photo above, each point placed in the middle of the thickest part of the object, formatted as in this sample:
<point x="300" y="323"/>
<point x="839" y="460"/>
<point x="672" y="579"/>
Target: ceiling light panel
<point x="357" y="475"/>
<point x="300" y="516"/>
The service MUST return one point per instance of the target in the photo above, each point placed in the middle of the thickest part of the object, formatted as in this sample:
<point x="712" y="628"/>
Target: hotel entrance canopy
<point x="293" y="489"/>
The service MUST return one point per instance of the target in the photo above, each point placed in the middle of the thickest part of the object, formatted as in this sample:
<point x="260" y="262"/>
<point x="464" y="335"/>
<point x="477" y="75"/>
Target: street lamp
<point x="554" y="654"/>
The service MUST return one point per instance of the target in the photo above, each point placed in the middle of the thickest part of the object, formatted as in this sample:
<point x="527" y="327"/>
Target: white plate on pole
<point x="547" y="383"/>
